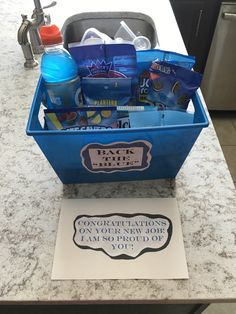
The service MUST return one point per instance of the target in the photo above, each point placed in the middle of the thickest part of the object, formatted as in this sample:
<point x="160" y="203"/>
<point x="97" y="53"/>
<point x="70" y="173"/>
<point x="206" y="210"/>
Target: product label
<point x="144" y="82"/>
<point x="118" y="156"/>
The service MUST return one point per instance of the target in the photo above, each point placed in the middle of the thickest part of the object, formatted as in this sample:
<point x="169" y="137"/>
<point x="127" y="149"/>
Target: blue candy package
<point x="172" y="85"/>
<point x="81" y="118"/>
<point x="107" y="61"/>
<point x="106" y="91"/>
<point x="144" y="61"/>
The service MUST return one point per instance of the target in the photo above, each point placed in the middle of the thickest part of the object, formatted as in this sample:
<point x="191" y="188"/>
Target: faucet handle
<point x="47" y="18"/>
<point x="52" y="4"/>
<point x="24" y="17"/>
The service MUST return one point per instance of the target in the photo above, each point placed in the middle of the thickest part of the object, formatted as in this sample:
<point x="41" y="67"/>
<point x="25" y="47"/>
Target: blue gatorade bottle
<point x="59" y="70"/>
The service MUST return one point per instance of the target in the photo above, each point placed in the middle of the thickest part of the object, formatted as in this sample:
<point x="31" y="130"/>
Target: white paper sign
<point x="119" y="239"/>
<point x="123" y="236"/>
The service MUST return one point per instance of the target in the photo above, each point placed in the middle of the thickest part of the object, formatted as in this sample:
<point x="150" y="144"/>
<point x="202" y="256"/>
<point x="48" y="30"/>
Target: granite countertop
<point x="31" y="193"/>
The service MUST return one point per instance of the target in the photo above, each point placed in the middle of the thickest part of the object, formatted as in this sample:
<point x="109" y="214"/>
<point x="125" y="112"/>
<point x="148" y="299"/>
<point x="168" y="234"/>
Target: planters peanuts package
<point x="172" y="85"/>
<point x="81" y="118"/>
<point x="145" y="59"/>
<point x="106" y="91"/>
<point x="107" y="61"/>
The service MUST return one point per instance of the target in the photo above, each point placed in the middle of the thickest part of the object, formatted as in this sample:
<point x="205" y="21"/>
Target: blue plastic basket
<point x="115" y="154"/>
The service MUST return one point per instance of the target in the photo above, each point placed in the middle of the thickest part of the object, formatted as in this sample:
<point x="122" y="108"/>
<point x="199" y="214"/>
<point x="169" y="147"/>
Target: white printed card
<point x="119" y="239"/>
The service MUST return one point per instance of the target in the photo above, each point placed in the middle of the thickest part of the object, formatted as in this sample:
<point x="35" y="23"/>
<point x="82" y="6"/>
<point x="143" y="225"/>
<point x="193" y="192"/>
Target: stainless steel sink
<point x="108" y="22"/>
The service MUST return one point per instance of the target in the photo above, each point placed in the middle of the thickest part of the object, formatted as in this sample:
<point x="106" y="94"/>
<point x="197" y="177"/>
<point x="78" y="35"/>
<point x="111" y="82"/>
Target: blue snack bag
<point x="145" y="59"/>
<point x="81" y="118"/>
<point x="107" y="61"/>
<point x="172" y="85"/>
<point x="106" y="91"/>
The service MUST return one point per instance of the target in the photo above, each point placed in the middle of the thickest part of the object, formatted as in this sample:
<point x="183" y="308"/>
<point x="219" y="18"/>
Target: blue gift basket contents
<point x="80" y="156"/>
<point x="144" y="146"/>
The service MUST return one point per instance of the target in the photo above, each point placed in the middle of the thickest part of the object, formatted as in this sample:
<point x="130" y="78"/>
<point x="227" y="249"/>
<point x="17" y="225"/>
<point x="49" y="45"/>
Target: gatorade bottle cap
<point x="50" y="35"/>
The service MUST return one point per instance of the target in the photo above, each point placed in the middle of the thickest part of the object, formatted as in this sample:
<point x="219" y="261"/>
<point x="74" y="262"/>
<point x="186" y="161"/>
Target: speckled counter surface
<point x="31" y="193"/>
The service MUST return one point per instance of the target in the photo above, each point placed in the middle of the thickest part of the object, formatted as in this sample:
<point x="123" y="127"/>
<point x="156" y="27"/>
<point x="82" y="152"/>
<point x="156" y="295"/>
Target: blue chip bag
<point x="92" y="118"/>
<point x="144" y="61"/>
<point x="172" y="85"/>
<point x="107" y="61"/>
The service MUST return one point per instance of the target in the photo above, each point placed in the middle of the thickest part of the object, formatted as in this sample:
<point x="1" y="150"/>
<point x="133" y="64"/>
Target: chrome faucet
<point x="31" y="27"/>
